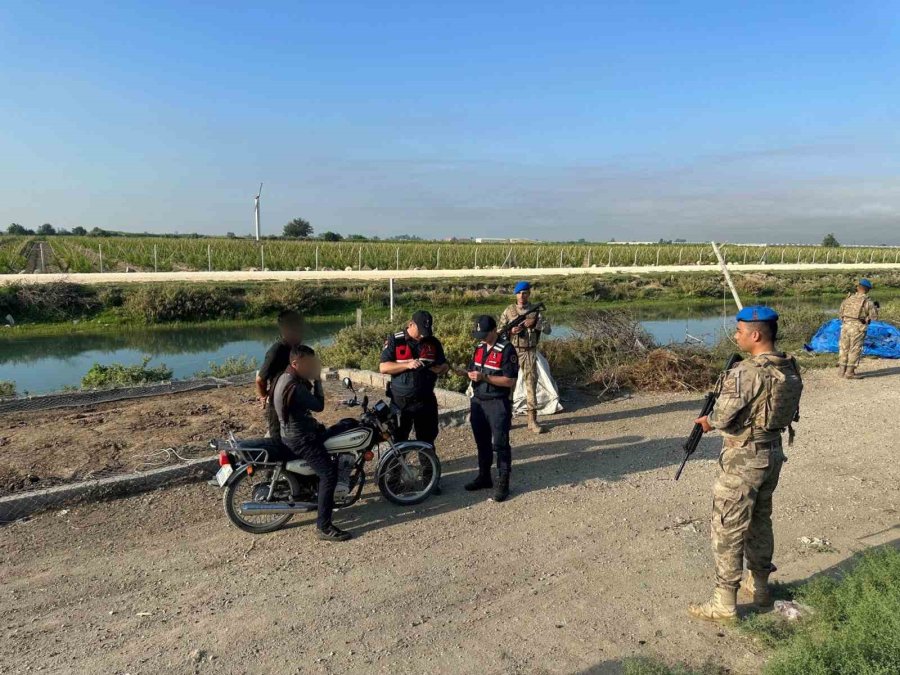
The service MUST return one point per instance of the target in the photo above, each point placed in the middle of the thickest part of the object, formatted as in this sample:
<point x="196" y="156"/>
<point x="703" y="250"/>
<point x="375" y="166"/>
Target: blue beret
<point x="865" y="283"/>
<point x="757" y="313"/>
<point x="522" y="286"/>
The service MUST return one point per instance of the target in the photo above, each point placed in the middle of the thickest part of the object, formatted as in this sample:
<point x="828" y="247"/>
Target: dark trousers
<point x="419" y="413"/>
<point x="491" y="419"/>
<point x="325" y="466"/>
<point x="272" y="422"/>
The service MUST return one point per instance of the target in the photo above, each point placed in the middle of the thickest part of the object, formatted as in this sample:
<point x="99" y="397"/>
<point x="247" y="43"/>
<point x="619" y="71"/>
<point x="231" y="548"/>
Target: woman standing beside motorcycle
<point x="298" y="393"/>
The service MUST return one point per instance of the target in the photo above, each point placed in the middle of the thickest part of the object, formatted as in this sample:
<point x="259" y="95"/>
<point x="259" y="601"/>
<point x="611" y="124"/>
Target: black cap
<point x="424" y="322"/>
<point x="484" y="324"/>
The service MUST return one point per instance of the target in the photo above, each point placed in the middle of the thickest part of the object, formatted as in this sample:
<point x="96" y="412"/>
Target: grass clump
<point x="233" y="365"/>
<point x="7" y="389"/>
<point x="163" y="304"/>
<point x="118" y="375"/>
<point x="854" y="628"/>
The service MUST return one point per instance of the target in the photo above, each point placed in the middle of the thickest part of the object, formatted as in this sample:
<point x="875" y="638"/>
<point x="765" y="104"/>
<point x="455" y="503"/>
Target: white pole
<point x="392" y="299"/>
<point x="782" y="256"/>
<point x="843" y="254"/>
<point x="609" y="264"/>
<point x="398" y="257"/>
<point x="560" y="258"/>
<point x="317" y="258"/>
<point x="856" y="262"/>
<point x="589" y="256"/>
<point x="359" y="265"/>
<point x="635" y="256"/>
<point x="657" y="257"/>
<point x="262" y="258"/>
<point x="256" y="211"/>
<point x="737" y="299"/>
<point x="679" y="255"/>
<point x="437" y="265"/>
<point x="100" y="248"/>
<point x="537" y="258"/>
<point x="155" y="264"/>
<point x="41" y="247"/>
<point x="476" y="257"/>
<point x="209" y="256"/>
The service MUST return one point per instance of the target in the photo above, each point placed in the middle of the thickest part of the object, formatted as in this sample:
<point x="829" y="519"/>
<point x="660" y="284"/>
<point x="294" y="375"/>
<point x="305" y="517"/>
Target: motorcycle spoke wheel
<point x="412" y="483"/>
<point x="248" y="489"/>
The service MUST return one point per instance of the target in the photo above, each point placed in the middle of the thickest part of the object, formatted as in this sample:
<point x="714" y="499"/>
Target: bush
<point x="7" y="389"/>
<point x="233" y="365"/>
<point x="273" y="298"/>
<point x="854" y="628"/>
<point x="117" y="375"/>
<point x="55" y="301"/>
<point x="160" y="304"/>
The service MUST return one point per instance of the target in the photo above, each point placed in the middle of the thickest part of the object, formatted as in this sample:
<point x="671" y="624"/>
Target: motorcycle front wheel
<point x="246" y="488"/>
<point x="409" y="476"/>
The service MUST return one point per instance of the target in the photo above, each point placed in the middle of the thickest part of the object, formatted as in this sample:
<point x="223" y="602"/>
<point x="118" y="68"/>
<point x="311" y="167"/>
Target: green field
<point x="166" y="254"/>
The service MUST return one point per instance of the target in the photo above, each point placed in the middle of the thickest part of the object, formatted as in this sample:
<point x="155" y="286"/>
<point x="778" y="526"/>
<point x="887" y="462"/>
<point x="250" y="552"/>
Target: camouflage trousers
<point x="853" y="335"/>
<point x="528" y="373"/>
<point x="742" y="508"/>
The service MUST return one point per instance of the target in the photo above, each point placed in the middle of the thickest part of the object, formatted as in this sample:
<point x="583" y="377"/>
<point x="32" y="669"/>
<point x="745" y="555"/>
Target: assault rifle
<point x="519" y="320"/>
<point x="697" y="432"/>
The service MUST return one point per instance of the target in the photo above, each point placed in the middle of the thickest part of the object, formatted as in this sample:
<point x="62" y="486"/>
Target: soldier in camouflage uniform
<point x="760" y="397"/>
<point x="857" y="312"/>
<point x="525" y="339"/>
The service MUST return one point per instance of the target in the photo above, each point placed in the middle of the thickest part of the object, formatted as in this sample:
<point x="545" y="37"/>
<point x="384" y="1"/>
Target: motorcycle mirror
<point x="347" y="383"/>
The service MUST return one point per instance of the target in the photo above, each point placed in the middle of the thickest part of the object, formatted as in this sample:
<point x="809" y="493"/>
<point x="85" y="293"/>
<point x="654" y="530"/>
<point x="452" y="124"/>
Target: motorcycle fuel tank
<point x="349" y="441"/>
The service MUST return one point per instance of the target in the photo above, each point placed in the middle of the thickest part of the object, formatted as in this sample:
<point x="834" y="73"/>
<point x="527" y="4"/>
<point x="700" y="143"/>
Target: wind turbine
<point x="256" y="210"/>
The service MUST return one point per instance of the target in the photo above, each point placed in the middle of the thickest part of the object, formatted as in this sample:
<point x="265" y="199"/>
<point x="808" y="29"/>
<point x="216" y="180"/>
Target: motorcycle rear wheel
<point x="244" y="489"/>
<point x="406" y="490"/>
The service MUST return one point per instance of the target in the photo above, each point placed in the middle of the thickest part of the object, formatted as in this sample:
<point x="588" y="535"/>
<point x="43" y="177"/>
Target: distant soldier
<point x="277" y="360"/>
<point x="492" y="372"/>
<point x="525" y="339"/>
<point x="760" y="398"/>
<point x="857" y="312"/>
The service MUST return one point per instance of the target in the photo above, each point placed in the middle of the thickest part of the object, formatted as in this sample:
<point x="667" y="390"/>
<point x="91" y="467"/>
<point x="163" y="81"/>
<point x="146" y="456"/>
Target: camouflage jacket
<point x="760" y="397"/>
<point x="858" y="307"/>
<point x="529" y="337"/>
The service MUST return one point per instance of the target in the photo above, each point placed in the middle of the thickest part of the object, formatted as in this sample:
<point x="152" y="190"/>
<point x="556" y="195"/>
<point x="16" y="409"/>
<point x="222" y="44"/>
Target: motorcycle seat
<point x="277" y="451"/>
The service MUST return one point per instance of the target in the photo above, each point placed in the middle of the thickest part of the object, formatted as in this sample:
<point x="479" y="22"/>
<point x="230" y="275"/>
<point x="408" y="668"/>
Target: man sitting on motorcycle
<point x="297" y="394"/>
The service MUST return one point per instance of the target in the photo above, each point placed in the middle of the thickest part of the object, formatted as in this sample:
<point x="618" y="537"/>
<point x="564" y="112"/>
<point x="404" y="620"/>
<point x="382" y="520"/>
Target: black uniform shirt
<point x="499" y="359"/>
<point x="278" y="358"/>
<point x="399" y="347"/>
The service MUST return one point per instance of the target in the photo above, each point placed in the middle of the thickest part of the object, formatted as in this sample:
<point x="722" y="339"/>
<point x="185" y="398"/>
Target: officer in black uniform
<point x="493" y="371"/>
<point x="414" y="359"/>
<point x="277" y="360"/>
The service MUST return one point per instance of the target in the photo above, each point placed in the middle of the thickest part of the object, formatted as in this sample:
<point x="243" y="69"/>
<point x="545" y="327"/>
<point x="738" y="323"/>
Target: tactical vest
<point x="402" y="350"/>
<point x="779" y="403"/>
<point x="855" y="307"/>
<point x="489" y="359"/>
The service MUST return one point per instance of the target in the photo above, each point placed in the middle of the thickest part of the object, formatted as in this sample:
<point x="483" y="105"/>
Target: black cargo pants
<point x="491" y="419"/>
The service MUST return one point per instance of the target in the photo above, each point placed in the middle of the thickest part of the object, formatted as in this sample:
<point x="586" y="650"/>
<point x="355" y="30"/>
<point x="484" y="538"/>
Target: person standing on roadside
<point x="525" y="339"/>
<point x="857" y="312"/>
<point x="276" y="361"/>
<point x="414" y="358"/>
<point x="760" y="398"/>
<point x="492" y="371"/>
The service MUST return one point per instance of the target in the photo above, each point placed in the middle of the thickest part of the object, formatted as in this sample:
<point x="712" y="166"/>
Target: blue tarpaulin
<point x="882" y="339"/>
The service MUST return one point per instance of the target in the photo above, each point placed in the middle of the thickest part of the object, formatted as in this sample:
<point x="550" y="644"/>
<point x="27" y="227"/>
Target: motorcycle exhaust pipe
<point x="257" y="508"/>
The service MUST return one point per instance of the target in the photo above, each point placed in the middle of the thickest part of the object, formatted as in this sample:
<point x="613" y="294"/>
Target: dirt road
<point x="593" y="559"/>
<point x="372" y="275"/>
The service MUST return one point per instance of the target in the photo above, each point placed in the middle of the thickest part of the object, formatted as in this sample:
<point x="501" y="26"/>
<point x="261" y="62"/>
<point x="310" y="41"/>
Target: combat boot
<point x="502" y="491"/>
<point x="842" y="370"/>
<point x="481" y="482"/>
<point x="755" y="587"/>
<point x="851" y="373"/>
<point x="533" y="423"/>
<point x="720" y="608"/>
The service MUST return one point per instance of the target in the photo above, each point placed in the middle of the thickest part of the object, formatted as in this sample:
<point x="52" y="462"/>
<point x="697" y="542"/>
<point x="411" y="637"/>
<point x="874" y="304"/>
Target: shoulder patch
<point x="514" y="358"/>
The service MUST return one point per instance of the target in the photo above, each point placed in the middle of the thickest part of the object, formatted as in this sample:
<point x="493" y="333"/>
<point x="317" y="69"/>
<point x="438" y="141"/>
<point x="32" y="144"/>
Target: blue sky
<point x="764" y="122"/>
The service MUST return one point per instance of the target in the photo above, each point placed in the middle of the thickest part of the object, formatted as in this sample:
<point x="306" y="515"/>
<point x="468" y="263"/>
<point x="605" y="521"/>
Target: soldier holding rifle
<point x="759" y="399"/>
<point x="525" y="338"/>
<point x="857" y="312"/>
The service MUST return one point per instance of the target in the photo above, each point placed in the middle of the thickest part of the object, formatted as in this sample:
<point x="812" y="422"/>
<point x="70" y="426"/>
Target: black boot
<point x="502" y="491"/>
<point x="481" y="482"/>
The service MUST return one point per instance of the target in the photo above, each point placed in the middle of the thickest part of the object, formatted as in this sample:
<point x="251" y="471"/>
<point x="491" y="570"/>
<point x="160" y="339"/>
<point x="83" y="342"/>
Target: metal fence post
<point x="100" y="248"/>
<point x="262" y="258"/>
<point x="209" y="256"/>
<point x="657" y="257"/>
<point x="317" y="258"/>
<point x="155" y="263"/>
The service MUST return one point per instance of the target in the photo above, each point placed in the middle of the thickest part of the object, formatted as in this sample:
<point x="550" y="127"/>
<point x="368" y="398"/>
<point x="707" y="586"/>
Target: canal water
<point x="39" y="365"/>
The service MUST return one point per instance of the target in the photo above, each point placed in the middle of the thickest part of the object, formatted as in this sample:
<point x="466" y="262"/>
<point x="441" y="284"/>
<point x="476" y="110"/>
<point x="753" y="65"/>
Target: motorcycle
<point x="265" y="485"/>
